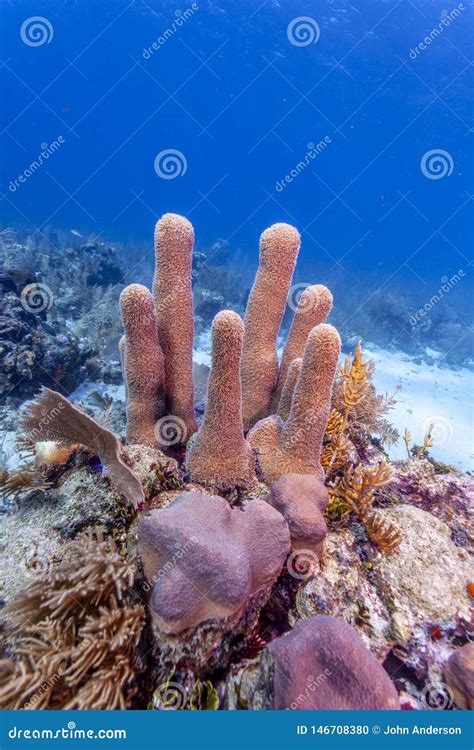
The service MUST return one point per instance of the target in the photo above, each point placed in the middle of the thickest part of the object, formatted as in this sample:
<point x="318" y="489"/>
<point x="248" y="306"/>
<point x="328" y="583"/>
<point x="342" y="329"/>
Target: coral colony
<point x="269" y="557"/>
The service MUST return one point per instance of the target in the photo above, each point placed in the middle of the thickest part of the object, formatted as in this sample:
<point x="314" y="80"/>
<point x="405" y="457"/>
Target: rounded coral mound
<point x="323" y="665"/>
<point x="204" y="561"/>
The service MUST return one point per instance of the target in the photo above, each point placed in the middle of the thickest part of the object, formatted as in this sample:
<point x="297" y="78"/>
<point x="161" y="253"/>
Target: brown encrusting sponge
<point x="295" y="446"/>
<point x="279" y="246"/>
<point x="173" y="294"/>
<point x="143" y="366"/>
<point x="220" y="455"/>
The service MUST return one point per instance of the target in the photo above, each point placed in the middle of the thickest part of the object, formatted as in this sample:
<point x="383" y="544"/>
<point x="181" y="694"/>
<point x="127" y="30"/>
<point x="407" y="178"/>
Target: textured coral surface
<point x="204" y="560"/>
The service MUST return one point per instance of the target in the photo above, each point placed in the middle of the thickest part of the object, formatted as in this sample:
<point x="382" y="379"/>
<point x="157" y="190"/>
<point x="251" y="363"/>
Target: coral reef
<point x="295" y="446"/>
<point x="72" y="636"/>
<point x="220" y="455"/>
<point x="142" y="364"/>
<point x="53" y="417"/>
<point x="302" y="500"/>
<point x="172" y="291"/>
<point x="320" y="665"/>
<point x="292" y="567"/>
<point x="215" y="558"/>
<point x="32" y="351"/>
<point x="313" y="308"/>
<point x="279" y="246"/>
<point x="459" y="676"/>
<point x="284" y="405"/>
<point x="58" y="324"/>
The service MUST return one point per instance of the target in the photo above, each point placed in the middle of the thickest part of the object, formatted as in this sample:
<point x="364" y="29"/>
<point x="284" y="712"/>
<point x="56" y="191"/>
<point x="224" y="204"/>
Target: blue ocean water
<point x="351" y="120"/>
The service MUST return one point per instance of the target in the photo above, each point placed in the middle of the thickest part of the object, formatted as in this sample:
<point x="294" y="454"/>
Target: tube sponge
<point x="220" y="454"/>
<point x="142" y="363"/>
<point x="314" y="306"/>
<point x="279" y="246"/>
<point x="172" y="290"/>
<point x="295" y="446"/>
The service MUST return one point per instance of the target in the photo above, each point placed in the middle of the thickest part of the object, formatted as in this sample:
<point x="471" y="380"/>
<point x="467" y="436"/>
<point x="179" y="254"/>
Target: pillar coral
<point x="142" y="362"/>
<point x="284" y="406"/>
<point x="313" y="308"/>
<point x="295" y="446"/>
<point x="220" y="454"/>
<point x="172" y="291"/>
<point x="279" y="246"/>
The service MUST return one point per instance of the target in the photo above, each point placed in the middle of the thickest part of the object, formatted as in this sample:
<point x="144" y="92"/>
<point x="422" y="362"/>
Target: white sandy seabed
<point x="429" y="394"/>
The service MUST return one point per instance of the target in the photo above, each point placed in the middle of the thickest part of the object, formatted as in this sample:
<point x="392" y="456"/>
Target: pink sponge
<point x="322" y="664"/>
<point x="205" y="560"/>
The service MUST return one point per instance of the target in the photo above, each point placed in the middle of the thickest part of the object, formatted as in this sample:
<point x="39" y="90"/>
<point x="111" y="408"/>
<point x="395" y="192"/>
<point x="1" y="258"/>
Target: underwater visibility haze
<point x="236" y="349"/>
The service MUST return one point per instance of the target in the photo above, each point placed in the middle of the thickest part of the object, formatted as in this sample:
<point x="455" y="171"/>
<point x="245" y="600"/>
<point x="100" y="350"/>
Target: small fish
<point x="49" y="329"/>
<point x="76" y="233"/>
